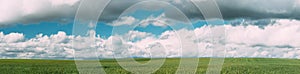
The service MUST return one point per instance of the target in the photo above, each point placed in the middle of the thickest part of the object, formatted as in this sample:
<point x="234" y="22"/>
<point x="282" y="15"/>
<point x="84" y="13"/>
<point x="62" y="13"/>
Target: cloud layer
<point x="278" y="40"/>
<point x="35" y="11"/>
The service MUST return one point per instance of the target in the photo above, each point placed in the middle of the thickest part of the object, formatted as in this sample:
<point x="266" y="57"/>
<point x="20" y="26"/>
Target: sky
<point x="42" y="29"/>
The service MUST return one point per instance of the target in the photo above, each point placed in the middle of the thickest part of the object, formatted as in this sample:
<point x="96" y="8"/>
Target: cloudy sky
<point x="252" y="28"/>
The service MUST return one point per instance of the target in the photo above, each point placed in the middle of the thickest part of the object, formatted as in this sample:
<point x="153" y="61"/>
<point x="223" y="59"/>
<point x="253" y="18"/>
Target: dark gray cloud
<point x="258" y="9"/>
<point x="230" y="9"/>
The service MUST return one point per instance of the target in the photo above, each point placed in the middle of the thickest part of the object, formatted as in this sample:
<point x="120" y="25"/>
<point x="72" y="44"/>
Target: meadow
<point x="231" y="66"/>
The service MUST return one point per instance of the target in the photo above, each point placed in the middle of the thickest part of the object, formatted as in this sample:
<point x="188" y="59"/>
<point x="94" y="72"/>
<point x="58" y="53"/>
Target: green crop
<point x="231" y="66"/>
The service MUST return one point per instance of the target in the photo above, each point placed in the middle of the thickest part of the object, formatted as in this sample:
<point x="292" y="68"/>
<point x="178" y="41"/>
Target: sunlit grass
<point x="231" y="66"/>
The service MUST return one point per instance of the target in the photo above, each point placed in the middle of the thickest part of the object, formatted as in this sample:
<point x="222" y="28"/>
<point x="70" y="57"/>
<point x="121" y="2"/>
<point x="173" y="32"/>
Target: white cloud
<point x="127" y="20"/>
<point x="160" y="20"/>
<point x="280" y="40"/>
<point x="283" y="32"/>
<point x="63" y="2"/>
<point x="136" y="35"/>
<point x="28" y="11"/>
<point x="11" y="38"/>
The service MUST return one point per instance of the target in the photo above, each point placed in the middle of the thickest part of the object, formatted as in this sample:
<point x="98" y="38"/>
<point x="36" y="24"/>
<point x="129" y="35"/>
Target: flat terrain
<point x="231" y="66"/>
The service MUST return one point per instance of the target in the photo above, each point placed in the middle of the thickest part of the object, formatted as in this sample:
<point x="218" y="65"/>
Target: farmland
<point x="231" y="66"/>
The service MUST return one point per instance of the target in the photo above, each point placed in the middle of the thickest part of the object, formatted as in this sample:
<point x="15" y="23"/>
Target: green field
<point x="231" y="66"/>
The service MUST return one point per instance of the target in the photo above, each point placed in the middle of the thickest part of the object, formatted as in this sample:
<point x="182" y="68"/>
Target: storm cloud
<point x="35" y="11"/>
<point x="230" y="9"/>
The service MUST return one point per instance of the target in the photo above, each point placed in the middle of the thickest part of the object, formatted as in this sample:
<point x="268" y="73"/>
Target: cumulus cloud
<point x="127" y="20"/>
<point x="160" y="20"/>
<point x="12" y="37"/>
<point x="279" y="40"/>
<point x="136" y="35"/>
<point x="54" y="46"/>
<point x="282" y="33"/>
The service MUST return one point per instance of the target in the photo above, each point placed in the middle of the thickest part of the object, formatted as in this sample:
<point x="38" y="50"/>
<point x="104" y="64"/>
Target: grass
<point x="231" y="66"/>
